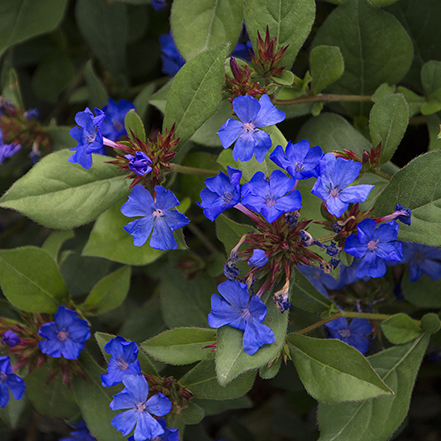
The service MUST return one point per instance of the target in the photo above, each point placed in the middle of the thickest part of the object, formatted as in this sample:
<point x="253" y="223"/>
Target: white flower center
<point x="372" y="245"/>
<point x="249" y="126"/>
<point x="345" y="333"/>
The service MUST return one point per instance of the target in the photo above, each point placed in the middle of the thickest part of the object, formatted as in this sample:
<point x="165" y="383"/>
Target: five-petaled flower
<point x="422" y="259"/>
<point x="271" y="198"/>
<point x="113" y="125"/>
<point x="299" y="160"/>
<point x="134" y="397"/>
<point x="250" y="140"/>
<point x="222" y="192"/>
<point x="123" y="361"/>
<point x="354" y="334"/>
<point x="374" y="246"/>
<point x="89" y="137"/>
<point x="156" y="215"/>
<point x="240" y="311"/>
<point x="9" y="382"/>
<point x="332" y="185"/>
<point x="66" y="336"/>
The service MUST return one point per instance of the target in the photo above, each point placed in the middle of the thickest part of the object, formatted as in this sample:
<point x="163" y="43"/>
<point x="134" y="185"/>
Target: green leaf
<point x="400" y="329"/>
<point x="201" y="25"/>
<point x="232" y="360"/>
<point x="375" y="47"/>
<point x="413" y="100"/>
<point x="109" y="292"/>
<point x="13" y="414"/>
<point x="185" y="302"/>
<point x="382" y="91"/>
<point x="134" y="125"/>
<point x="229" y="232"/>
<point x="141" y="101"/>
<point x="333" y="133"/>
<point x="433" y="125"/>
<point x="97" y="92"/>
<point x="202" y="382"/>
<point x="416" y="186"/>
<point x="213" y="407"/>
<point x="430" y="323"/>
<point x="181" y="345"/>
<point x="268" y="372"/>
<point x="53" y="398"/>
<point x="286" y="78"/>
<point x="191" y="414"/>
<point x="30" y="280"/>
<point x="424" y="294"/>
<point x="55" y="241"/>
<point x="159" y="98"/>
<point x="305" y="296"/>
<point x="332" y="371"/>
<point x="327" y="66"/>
<point x="93" y="400"/>
<point x="106" y="36"/>
<point x="108" y="239"/>
<point x="377" y="419"/>
<point x="59" y="194"/>
<point x="430" y="76"/>
<point x="288" y="20"/>
<point x="23" y="19"/>
<point x="387" y="124"/>
<point x="195" y="93"/>
<point x="433" y="103"/>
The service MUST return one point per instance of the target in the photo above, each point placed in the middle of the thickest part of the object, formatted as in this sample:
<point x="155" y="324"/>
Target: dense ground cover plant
<point x="213" y="206"/>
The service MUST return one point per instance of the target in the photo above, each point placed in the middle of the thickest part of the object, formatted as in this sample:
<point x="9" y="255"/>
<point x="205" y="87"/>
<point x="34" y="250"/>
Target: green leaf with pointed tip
<point x="30" y="280"/>
<point x="333" y="133"/>
<point x="55" y="399"/>
<point x="305" y="296"/>
<point x="109" y="292"/>
<point x="134" y="125"/>
<point x="106" y="36"/>
<point x="375" y="47"/>
<point x="108" y="239"/>
<point x="327" y="66"/>
<point x="55" y="241"/>
<point x="377" y="419"/>
<point x="181" y="345"/>
<point x="232" y="360"/>
<point x="201" y="25"/>
<point x="195" y="93"/>
<point x="416" y="186"/>
<point x="202" y="383"/>
<point x="288" y="20"/>
<point x="93" y="400"/>
<point x="23" y="19"/>
<point x="387" y="124"/>
<point x="333" y="371"/>
<point x="62" y="195"/>
<point x="400" y="329"/>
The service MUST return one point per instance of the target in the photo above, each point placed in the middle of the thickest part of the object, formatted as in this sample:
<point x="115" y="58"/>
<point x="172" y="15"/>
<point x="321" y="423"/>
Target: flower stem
<point x="322" y="98"/>
<point x="193" y="170"/>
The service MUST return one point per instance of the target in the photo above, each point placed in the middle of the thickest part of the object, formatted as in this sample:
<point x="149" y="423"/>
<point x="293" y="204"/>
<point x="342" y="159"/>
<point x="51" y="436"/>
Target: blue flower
<point x="66" y="336"/>
<point x="405" y="216"/>
<point x="172" y="60"/>
<point x="258" y="259"/>
<point x="89" y="137"/>
<point x="31" y="113"/>
<point x="156" y="215"/>
<point x="123" y="361"/>
<point x="139" y="164"/>
<point x="7" y="150"/>
<point x="423" y="259"/>
<point x="9" y="382"/>
<point x="222" y="192"/>
<point x="80" y="434"/>
<point x="272" y="198"/>
<point x="158" y="5"/>
<point x="113" y="125"/>
<point x="250" y="140"/>
<point x="299" y="160"/>
<point x="354" y="334"/>
<point x="134" y="397"/>
<point x="318" y="278"/>
<point x="168" y="435"/>
<point x="236" y="309"/>
<point x="347" y="275"/>
<point x="10" y="339"/>
<point x="332" y="185"/>
<point x="242" y="50"/>
<point x="374" y="246"/>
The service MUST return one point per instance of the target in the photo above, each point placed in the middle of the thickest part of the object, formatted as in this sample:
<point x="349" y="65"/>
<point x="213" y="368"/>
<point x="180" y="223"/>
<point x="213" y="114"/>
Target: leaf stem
<point x="193" y="170"/>
<point x="322" y="98"/>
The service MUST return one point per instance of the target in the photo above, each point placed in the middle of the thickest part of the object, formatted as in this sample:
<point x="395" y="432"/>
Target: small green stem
<point x="322" y="98"/>
<point x="193" y="170"/>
